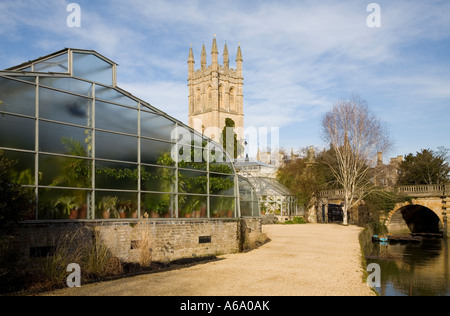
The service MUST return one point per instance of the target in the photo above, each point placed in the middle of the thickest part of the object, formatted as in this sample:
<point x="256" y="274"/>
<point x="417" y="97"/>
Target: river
<point x="413" y="269"/>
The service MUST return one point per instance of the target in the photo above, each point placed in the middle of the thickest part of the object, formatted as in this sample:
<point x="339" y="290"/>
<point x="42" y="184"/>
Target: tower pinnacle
<point x="226" y="59"/>
<point x="203" y="60"/>
<point x="215" y="55"/>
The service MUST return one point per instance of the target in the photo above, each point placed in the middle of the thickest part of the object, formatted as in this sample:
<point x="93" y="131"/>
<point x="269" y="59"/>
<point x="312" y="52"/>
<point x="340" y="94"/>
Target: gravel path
<point x="311" y="259"/>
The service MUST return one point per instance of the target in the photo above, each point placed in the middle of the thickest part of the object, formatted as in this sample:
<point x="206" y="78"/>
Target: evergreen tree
<point x="426" y="167"/>
<point x="229" y="139"/>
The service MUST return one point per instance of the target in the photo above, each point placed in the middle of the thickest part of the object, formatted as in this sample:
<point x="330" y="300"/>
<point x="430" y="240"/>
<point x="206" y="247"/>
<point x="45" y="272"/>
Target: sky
<point x="300" y="57"/>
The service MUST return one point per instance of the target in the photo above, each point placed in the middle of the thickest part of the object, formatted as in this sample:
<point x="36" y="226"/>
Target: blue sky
<point x="300" y="57"/>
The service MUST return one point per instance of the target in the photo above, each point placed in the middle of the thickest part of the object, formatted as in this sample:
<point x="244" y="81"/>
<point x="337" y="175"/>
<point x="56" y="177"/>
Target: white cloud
<point x="168" y="96"/>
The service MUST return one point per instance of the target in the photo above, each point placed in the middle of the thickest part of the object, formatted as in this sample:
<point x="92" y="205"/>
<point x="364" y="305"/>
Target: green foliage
<point x="15" y="205"/>
<point x="225" y="137"/>
<point x="221" y="168"/>
<point x="165" y="159"/>
<point x="382" y="202"/>
<point x="15" y="201"/>
<point x="74" y="171"/>
<point x="426" y="167"/>
<point x="378" y="228"/>
<point x="296" y="220"/>
<point x="108" y="203"/>
<point x="68" y="203"/>
<point x="306" y="179"/>
<point x="217" y="184"/>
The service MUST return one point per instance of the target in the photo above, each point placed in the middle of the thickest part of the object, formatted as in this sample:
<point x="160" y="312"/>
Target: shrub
<point x="296" y="220"/>
<point x="15" y="201"/>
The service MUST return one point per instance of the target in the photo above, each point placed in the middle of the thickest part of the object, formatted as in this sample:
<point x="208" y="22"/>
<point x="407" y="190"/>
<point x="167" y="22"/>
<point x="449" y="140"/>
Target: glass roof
<point x="84" y="64"/>
<point x="269" y="186"/>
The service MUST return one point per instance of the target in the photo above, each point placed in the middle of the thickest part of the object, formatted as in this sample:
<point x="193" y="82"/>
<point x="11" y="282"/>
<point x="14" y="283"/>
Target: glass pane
<point x="111" y="175"/>
<point x="157" y="179"/>
<point x="218" y="160"/>
<point x="115" y="205"/>
<point x="116" y="118"/>
<point x="248" y="199"/>
<point x="191" y="157"/>
<point x="146" y="107"/>
<point x="17" y="97"/>
<point x="158" y="153"/>
<point x="156" y="126"/>
<point x="112" y="95"/>
<point x="116" y="147"/>
<point x="64" y="107"/>
<point x="65" y="171"/>
<point x="68" y="84"/>
<point x="221" y="185"/>
<point x="22" y="172"/>
<point x="158" y="205"/>
<point x="249" y="208"/>
<point x="63" y="139"/>
<point x="192" y="182"/>
<point x="56" y="64"/>
<point x="222" y="206"/>
<point x="92" y="68"/>
<point x="192" y="206"/>
<point x="245" y="189"/>
<point x="63" y="204"/>
<point x="17" y="132"/>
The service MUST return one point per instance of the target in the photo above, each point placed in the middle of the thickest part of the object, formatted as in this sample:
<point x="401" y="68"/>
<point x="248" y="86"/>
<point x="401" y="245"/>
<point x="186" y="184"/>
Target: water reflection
<point x="413" y="269"/>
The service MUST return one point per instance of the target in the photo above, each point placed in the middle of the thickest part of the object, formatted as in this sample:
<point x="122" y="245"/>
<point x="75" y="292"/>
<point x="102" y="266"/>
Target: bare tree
<point x="356" y="136"/>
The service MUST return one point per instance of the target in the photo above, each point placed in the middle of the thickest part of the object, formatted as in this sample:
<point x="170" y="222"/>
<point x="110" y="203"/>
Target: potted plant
<point x="108" y="205"/>
<point x="191" y="206"/>
<point x="163" y="208"/>
<point x="229" y="206"/>
<point x="123" y="207"/>
<point x="203" y="210"/>
<point x="70" y="205"/>
<point x="153" y="206"/>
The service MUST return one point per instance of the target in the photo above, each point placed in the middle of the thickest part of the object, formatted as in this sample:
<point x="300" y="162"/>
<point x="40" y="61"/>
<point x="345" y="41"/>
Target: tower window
<point x="209" y="94"/>
<point x="198" y="96"/>
<point x="221" y="97"/>
<point x="232" y="99"/>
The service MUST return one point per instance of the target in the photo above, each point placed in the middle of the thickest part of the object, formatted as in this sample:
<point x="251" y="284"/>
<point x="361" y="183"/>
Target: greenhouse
<point x="274" y="197"/>
<point x="90" y="150"/>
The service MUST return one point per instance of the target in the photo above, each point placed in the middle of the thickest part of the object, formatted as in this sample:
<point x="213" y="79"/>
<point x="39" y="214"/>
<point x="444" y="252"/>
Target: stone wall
<point x="166" y="240"/>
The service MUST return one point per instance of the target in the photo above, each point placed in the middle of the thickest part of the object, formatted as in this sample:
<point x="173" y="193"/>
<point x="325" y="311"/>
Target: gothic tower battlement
<point x="216" y="93"/>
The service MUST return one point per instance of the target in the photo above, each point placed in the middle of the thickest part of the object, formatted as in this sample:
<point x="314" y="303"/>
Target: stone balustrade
<point x="409" y="190"/>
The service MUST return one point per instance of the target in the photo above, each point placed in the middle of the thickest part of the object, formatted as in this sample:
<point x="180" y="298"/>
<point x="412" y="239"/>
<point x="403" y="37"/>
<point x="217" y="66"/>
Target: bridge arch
<point x="415" y="218"/>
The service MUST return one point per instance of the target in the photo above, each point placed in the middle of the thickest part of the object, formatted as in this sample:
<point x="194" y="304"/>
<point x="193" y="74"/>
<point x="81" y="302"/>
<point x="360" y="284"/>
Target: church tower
<point x="216" y="93"/>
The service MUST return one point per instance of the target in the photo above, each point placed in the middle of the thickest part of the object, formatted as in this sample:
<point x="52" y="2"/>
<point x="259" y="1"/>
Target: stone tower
<point x="216" y="93"/>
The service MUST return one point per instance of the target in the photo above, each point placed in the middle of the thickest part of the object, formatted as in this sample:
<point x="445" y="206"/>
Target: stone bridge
<point x="426" y="213"/>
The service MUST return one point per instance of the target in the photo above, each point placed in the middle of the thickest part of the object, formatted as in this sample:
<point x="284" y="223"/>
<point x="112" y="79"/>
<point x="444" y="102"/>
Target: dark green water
<point x="413" y="269"/>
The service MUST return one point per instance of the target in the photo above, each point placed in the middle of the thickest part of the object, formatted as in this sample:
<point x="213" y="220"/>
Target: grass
<point x="296" y="220"/>
<point x="365" y="242"/>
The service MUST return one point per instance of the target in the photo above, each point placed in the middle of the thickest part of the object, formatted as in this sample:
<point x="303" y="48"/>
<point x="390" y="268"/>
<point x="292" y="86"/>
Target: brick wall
<point x="166" y="240"/>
